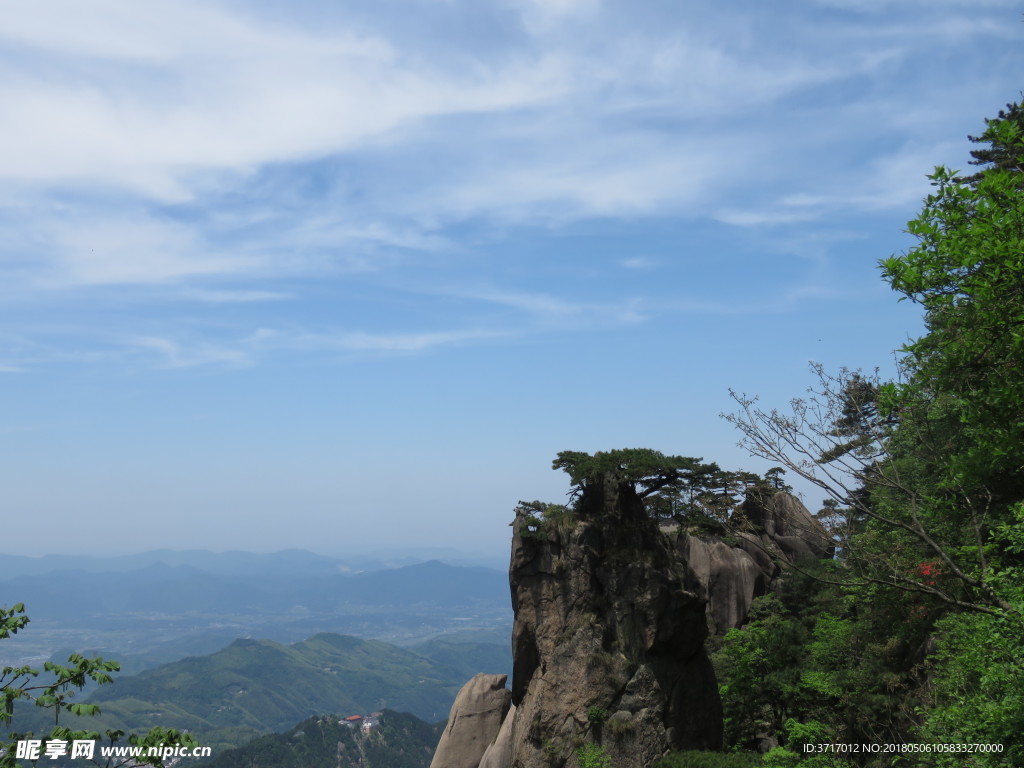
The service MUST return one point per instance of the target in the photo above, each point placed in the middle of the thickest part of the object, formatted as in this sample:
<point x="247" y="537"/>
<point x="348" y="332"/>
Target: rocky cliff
<point x="608" y="640"/>
<point x="611" y="614"/>
<point x="766" y="532"/>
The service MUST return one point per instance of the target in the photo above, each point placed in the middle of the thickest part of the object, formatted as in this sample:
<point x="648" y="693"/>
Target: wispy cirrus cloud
<point x="175" y="354"/>
<point x="144" y="105"/>
<point x="254" y="163"/>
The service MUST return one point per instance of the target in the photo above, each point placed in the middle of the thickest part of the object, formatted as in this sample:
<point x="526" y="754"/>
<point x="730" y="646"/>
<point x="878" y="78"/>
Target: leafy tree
<point x="967" y="272"/>
<point x="927" y="466"/>
<point x="56" y="693"/>
<point x="976" y="675"/>
<point x="648" y="471"/>
<point x="926" y="479"/>
<point x="885" y="508"/>
<point x="758" y="668"/>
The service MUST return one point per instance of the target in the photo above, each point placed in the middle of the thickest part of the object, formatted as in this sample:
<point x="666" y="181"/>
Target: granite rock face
<point x="784" y="521"/>
<point x="608" y="639"/>
<point x="476" y="716"/>
<point x="731" y="578"/>
<point x="499" y="754"/>
<point x="611" y="614"/>
<point x="774" y="530"/>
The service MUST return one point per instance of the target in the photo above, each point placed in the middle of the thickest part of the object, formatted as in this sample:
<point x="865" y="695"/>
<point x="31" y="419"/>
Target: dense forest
<point x="909" y="645"/>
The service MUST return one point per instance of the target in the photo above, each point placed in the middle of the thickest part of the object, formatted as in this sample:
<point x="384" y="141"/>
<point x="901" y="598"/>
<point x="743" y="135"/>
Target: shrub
<point x="700" y="759"/>
<point x="592" y="755"/>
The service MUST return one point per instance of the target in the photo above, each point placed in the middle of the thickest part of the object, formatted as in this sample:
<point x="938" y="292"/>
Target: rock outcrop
<point x="499" y="754"/>
<point x="608" y="639"/>
<point x="477" y="714"/>
<point x="783" y="521"/>
<point x="746" y="564"/>
<point x="611" y="614"/>
<point x="731" y="578"/>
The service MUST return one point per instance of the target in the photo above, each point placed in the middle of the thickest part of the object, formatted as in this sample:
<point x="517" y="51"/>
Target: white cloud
<point x="883" y="6"/>
<point x="143" y="97"/>
<point x="267" y="339"/>
<point x="186" y="144"/>
<point x="174" y="354"/>
<point x="542" y="15"/>
<point x="135" y="250"/>
<point x="128" y="101"/>
<point x="403" y="342"/>
<point x="235" y="296"/>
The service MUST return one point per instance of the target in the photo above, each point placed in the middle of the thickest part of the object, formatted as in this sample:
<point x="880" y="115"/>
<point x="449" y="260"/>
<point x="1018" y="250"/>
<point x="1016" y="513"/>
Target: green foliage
<point x="538" y="519"/>
<point x="1003" y="151"/>
<point x="703" y="759"/>
<point x="592" y="755"/>
<point x="597" y="715"/>
<point x="917" y="635"/>
<point x="400" y="741"/>
<point x="815" y="665"/>
<point x="758" y="669"/>
<point x="780" y="757"/>
<point x="976" y="691"/>
<point x="967" y="272"/>
<point x="672" y="487"/>
<point x="55" y="692"/>
<point x="976" y="694"/>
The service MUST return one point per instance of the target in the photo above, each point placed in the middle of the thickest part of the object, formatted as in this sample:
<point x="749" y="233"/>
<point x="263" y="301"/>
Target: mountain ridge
<point x="252" y="686"/>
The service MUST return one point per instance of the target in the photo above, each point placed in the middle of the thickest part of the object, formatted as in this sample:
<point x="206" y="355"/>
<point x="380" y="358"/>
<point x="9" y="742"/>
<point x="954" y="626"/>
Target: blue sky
<point x="346" y="277"/>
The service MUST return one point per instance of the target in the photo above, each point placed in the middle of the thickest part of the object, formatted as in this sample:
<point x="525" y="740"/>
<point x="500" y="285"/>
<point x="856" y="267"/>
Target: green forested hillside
<point x="255" y="686"/>
<point x="468" y="657"/>
<point x="400" y="741"/>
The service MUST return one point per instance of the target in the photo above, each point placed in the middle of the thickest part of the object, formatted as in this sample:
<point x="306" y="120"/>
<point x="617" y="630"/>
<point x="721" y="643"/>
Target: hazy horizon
<point x="401" y="557"/>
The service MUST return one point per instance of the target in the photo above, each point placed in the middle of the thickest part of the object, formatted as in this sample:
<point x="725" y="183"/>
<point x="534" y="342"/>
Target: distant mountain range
<point x="148" y="609"/>
<point x="184" y="589"/>
<point x="255" y="686"/>
<point x="293" y="562"/>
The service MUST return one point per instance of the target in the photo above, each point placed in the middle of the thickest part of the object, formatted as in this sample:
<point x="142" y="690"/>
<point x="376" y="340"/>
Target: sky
<point x="345" y="277"/>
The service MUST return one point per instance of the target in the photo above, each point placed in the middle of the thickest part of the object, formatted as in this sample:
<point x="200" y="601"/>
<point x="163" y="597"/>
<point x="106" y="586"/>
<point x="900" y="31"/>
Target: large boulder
<point x="787" y="523"/>
<point x="499" y="753"/>
<point x="767" y="533"/>
<point x="731" y="578"/>
<point x="475" y="719"/>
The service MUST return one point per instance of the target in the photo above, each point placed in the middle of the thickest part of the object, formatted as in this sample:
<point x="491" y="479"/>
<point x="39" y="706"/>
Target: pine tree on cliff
<point x="1002" y="152"/>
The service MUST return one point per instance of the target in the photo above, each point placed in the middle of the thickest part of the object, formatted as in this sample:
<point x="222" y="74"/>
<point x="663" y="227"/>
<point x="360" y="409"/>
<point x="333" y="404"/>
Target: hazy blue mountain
<point x="297" y="562"/>
<point x="154" y="608"/>
<point x="290" y="563"/>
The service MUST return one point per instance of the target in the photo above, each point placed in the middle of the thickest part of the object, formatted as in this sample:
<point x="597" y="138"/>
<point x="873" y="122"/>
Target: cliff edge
<point x="608" y="639"/>
<point x="611" y="614"/>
